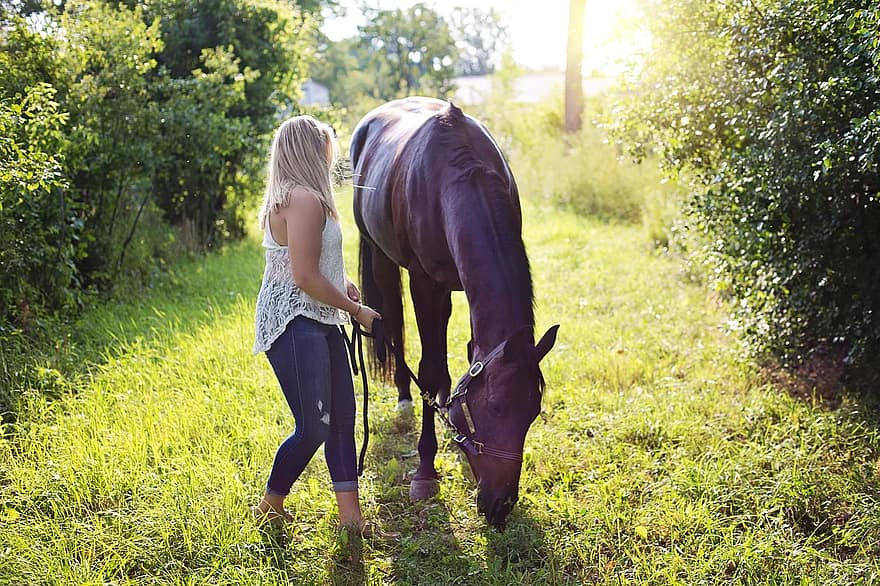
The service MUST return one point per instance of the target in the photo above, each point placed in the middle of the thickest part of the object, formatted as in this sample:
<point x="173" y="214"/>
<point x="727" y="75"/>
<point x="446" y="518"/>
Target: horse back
<point x="405" y="155"/>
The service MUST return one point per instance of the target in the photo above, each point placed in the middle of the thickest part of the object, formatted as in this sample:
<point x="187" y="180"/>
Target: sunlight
<point x="612" y="32"/>
<point x="613" y="35"/>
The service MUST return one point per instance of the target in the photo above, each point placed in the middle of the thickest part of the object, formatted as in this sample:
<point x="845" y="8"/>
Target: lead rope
<point x="356" y="353"/>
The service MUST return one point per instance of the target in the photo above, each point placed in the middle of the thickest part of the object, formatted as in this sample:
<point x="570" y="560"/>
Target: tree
<point x="228" y="67"/>
<point x="773" y="108"/>
<point x="574" y="83"/>
<point x="480" y="37"/>
<point x="402" y="52"/>
<point x="411" y="51"/>
<point x="348" y="70"/>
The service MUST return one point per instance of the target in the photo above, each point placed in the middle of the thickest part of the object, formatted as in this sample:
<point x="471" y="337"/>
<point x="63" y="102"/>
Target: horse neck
<point x="487" y="247"/>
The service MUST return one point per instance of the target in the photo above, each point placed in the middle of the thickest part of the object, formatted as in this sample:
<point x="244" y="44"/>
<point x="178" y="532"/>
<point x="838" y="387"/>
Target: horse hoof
<point x="404" y="407"/>
<point x="423" y="489"/>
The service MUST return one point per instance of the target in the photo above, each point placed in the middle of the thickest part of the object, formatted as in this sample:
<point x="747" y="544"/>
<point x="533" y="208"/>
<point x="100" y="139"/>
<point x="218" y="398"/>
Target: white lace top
<point x="280" y="300"/>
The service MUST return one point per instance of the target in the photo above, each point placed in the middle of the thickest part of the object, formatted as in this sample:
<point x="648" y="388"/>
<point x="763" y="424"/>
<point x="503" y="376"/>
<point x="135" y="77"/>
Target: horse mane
<point x="464" y="164"/>
<point x="467" y="171"/>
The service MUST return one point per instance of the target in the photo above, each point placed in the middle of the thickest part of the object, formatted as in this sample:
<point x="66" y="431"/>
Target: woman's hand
<point x="352" y="291"/>
<point x="365" y="316"/>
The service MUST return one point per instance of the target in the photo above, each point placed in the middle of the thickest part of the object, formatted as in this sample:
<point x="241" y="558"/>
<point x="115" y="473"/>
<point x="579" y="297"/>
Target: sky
<point x="538" y="35"/>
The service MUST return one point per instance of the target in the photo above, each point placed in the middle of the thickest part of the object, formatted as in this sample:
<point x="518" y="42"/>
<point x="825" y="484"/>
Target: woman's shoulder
<point x="304" y="195"/>
<point x="302" y="200"/>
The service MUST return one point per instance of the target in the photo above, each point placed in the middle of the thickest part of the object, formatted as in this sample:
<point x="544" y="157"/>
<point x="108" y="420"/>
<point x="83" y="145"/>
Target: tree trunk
<point x="574" y="84"/>
<point x="134" y="224"/>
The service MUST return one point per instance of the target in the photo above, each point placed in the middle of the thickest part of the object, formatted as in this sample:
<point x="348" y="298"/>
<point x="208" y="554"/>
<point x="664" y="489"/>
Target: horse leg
<point x="433" y="306"/>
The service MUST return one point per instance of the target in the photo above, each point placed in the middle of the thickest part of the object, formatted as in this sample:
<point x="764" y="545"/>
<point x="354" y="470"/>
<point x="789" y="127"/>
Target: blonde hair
<point x="300" y="159"/>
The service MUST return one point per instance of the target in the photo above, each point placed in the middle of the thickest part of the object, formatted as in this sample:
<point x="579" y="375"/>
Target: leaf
<point x="9" y="515"/>
<point x="642" y="531"/>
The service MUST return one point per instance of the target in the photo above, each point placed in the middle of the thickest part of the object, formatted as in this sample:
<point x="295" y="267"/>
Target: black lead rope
<point x="468" y="443"/>
<point x="358" y="366"/>
<point x="356" y="353"/>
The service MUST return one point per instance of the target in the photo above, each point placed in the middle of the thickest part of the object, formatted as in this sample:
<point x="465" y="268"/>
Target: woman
<point x="303" y="300"/>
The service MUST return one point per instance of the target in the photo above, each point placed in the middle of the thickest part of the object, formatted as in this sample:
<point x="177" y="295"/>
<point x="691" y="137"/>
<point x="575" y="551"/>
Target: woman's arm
<point x="305" y="218"/>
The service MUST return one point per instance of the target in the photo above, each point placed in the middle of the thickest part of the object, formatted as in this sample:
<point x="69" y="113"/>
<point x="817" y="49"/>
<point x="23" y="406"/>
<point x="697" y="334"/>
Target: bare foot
<point x="267" y="512"/>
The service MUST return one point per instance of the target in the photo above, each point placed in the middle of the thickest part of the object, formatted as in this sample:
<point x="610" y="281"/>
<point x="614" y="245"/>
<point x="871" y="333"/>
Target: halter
<point x="467" y="442"/>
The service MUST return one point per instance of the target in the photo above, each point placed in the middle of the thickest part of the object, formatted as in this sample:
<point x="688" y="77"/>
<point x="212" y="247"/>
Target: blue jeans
<point x="311" y="363"/>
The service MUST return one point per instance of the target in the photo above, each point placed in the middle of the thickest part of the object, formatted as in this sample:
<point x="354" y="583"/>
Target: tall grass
<point x="659" y="457"/>
<point x="36" y="351"/>
<point x="584" y="172"/>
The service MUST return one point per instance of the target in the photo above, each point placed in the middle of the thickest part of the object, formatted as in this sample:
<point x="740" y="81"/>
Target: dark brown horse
<point x="433" y="194"/>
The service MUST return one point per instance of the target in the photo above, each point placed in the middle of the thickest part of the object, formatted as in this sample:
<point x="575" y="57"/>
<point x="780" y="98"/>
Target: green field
<point x="661" y="456"/>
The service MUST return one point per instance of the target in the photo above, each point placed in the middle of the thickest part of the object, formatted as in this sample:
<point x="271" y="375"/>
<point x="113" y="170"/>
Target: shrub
<point x="127" y="132"/>
<point x="107" y="54"/>
<point x="227" y="71"/>
<point x="773" y="108"/>
<point x="39" y="226"/>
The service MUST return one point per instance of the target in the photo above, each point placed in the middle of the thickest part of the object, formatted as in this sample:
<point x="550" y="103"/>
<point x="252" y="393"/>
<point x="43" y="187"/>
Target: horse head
<point x="492" y="408"/>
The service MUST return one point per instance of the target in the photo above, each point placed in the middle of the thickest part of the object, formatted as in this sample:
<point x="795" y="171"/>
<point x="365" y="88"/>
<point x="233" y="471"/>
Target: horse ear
<point x="547" y="341"/>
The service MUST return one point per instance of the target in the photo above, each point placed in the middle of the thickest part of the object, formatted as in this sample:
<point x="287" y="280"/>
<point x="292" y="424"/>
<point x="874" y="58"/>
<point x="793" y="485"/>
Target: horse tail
<point x="381" y="290"/>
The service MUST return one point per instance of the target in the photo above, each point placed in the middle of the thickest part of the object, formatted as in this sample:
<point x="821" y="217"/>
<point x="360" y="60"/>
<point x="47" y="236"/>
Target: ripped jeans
<point x="311" y="363"/>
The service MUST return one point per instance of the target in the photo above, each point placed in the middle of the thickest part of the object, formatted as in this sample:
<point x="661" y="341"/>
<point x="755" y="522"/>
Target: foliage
<point x="412" y="48"/>
<point x="480" y="36"/>
<point x="204" y="153"/>
<point x="342" y="68"/>
<point x="409" y="51"/>
<point x="581" y="172"/>
<point x="229" y="68"/>
<point x="39" y="229"/>
<point x="658" y="457"/>
<point x="132" y="132"/>
<point x="167" y="105"/>
<point x="107" y="60"/>
<point x="773" y="107"/>
<point x="27" y="57"/>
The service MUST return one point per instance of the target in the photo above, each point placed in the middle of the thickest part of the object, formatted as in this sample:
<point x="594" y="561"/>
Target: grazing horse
<point x="434" y="195"/>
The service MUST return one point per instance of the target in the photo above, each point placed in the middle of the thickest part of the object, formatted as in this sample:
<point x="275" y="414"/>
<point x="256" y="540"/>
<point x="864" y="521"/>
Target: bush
<point x="107" y="55"/>
<point x="773" y="108"/>
<point x="228" y="70"/>
<point x="166" y="105"/>
<point x="39" y="227"/>
<point x="128" y="131"/>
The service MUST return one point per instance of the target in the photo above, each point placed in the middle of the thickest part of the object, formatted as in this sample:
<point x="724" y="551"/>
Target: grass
<point x="585" y="172"/>
<point x="660" y="456"/>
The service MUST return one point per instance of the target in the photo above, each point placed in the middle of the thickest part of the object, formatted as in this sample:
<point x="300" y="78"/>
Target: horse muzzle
<point x="495" y="508"/>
